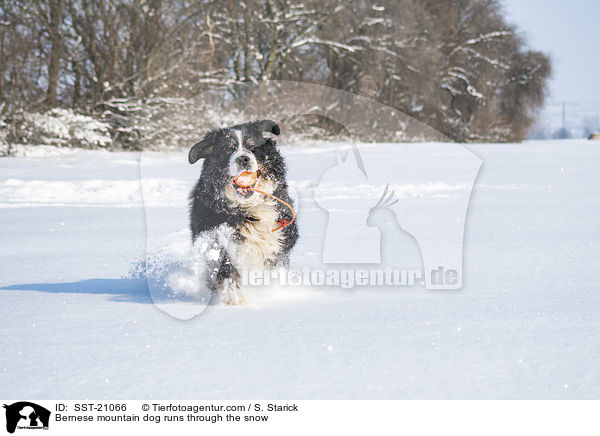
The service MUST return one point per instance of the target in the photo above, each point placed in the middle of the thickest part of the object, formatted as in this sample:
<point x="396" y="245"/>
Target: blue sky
<point x="569" y="31"/>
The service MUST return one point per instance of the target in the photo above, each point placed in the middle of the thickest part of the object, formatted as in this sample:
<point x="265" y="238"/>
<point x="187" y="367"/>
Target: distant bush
<point x="58" y="127"/>
<point x="160" y="123"/>
<point x="127" y="124"/>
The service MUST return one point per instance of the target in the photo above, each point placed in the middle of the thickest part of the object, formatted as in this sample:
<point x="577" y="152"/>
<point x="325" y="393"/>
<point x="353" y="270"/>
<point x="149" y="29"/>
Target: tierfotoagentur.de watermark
<point x="345" y="278"/>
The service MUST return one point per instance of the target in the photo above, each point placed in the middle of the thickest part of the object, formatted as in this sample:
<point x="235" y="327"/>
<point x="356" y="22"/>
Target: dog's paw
<point x="232" y="293"/>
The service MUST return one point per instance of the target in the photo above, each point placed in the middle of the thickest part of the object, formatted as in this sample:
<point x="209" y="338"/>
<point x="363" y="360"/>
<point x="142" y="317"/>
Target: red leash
<point x="283" y="223"/>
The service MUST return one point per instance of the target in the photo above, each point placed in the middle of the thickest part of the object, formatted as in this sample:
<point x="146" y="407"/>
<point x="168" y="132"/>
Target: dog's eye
<point x="250" y="143"/>
<point x="232" y="144"/>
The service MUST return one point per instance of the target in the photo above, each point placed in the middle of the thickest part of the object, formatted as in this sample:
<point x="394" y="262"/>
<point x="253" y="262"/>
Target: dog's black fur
<point x="224" y="156"/>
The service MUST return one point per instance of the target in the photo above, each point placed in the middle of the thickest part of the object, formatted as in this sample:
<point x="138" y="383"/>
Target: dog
<point x="245" y="229"/>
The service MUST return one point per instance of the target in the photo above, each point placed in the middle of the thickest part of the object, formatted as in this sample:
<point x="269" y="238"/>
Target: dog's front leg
<point x="232" y="293"/>
<point x="223" y="279"/>
<point x="229" y="286"/>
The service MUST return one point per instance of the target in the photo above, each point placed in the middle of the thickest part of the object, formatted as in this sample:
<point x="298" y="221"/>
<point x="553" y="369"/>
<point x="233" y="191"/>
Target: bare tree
<point x="455" y="65"/>
<point x="54" y="24"/>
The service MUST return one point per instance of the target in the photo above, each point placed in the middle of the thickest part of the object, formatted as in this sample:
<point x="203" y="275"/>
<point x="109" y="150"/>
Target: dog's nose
<point x="243" y="161"/>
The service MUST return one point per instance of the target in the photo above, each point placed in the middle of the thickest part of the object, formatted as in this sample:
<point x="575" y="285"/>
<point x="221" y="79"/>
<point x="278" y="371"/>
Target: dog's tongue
<point x="246" y="179"/>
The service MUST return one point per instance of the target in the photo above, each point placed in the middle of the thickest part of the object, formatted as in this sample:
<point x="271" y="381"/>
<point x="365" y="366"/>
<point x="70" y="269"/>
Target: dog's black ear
<point x="269" y="126"/>
<point x="200" y="150"/>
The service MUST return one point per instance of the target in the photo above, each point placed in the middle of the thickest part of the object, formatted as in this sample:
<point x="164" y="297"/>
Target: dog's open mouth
<point x="244" y="184"/>
<point x="244" y="192"/>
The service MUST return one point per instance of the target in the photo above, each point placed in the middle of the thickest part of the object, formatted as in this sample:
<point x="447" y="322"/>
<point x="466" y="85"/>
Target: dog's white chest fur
<point x="260" y="245"/>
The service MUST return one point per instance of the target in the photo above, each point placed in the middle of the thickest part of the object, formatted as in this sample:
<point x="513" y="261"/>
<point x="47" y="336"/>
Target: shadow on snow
<point x="122" y="290"/>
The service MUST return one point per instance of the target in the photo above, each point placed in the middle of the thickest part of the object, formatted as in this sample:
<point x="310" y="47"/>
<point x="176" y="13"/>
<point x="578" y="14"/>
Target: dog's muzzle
<point x="243" y="169"/>
<point x="244" y="183"/>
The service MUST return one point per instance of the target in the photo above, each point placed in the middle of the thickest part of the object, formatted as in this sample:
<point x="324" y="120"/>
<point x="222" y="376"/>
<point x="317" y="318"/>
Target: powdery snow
<point x="79" y="320"/>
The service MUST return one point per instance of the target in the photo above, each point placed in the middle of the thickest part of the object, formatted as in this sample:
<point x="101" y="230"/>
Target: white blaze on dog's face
<point x="242" y="159"/>
<point x="242" y="165"/>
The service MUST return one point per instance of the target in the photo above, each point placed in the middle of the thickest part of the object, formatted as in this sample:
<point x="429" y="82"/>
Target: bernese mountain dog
<point x="240" y="206"/>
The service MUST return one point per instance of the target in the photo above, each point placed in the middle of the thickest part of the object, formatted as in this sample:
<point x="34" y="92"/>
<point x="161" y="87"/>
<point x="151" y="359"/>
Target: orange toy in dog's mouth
<point x="246" y="179"/>
<point x="244" y="182"/>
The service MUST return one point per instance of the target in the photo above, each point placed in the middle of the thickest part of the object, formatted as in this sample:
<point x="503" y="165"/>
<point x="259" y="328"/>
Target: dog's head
<point x="233" y="150"/>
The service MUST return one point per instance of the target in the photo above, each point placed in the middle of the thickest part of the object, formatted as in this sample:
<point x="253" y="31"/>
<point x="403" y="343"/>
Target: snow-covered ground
<point x="79" y="322"/>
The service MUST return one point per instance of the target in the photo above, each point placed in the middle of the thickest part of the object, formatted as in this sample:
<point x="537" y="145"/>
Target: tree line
<point x="455" y="65"/>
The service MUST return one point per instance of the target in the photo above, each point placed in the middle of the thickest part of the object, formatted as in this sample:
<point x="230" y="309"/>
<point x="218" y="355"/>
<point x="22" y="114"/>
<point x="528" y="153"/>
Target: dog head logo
<point x="26" y="415"/>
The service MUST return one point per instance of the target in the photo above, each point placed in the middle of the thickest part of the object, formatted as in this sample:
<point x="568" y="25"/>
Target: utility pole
<point x="563" y="133"/>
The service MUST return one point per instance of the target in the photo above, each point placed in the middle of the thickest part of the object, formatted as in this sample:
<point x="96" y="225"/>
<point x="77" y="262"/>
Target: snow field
<point x="78" y="321"/>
